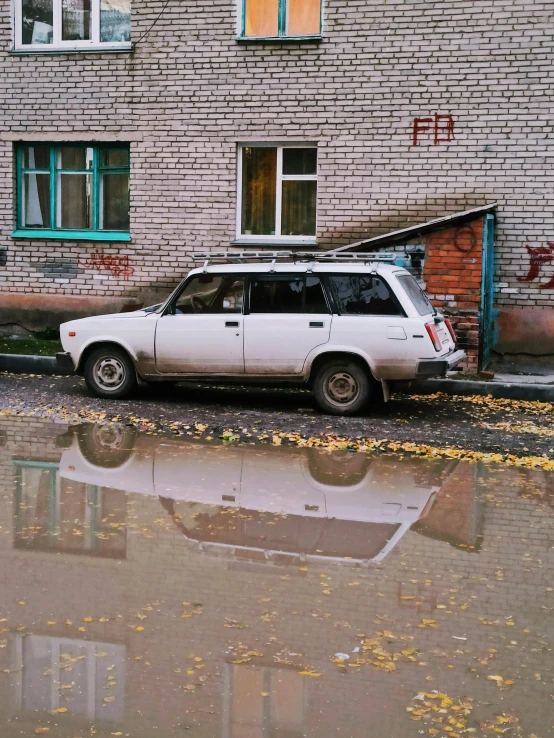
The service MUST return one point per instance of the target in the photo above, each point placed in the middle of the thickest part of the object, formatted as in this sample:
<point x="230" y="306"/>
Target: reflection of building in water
<point x="85" y="678"/>
<point x="278" y="611"/>
<point x="263" y="702"/>
<point x="56" y="514"/>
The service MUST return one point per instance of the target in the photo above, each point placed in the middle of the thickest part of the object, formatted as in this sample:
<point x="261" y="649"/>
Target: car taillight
<point x="450" y="329"/>
<point x="434" y="336"/>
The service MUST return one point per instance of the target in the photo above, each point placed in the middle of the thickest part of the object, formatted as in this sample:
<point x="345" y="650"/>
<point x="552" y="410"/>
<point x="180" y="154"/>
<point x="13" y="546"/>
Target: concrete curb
<point x="509" y="391"/>
<point x="22" y="364"/>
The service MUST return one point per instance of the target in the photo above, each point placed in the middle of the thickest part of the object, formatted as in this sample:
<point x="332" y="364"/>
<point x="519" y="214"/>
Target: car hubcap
<point x="342" y="388"/>
<point x="109" y="373"/>
<point x="108" y="436"/>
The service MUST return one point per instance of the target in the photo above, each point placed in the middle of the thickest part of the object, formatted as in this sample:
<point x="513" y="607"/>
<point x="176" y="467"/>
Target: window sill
<point x="47" y="49"/>
<point x="40" y="234"/>
<point x="281" y="244"/>
<point x="279" y="39"/>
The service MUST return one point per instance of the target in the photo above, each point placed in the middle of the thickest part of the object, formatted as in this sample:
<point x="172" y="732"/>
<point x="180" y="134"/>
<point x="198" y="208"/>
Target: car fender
<point x="328" y="348"/>
<point x="107" y="338"/>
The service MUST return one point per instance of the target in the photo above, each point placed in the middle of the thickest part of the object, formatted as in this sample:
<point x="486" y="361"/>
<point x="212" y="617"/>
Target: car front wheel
<point x="343" y="387"/>
<point x="109" y="372"/>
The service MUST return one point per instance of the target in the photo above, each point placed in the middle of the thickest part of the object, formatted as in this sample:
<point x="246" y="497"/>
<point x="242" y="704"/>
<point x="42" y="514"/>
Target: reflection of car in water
<point x="297" y="501"/>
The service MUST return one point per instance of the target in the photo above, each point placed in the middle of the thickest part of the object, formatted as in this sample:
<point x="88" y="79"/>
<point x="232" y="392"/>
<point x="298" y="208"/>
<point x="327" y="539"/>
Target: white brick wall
<point x="190" y="93"/>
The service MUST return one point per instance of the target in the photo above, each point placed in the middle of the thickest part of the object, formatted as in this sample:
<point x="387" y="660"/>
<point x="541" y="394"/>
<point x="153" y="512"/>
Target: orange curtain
<point x="262" y="17"/>
<point x="304" y="17"/>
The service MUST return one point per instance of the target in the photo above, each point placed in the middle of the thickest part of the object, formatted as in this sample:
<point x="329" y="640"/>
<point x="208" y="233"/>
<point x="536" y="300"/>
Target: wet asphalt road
<point x="470" y="423"/>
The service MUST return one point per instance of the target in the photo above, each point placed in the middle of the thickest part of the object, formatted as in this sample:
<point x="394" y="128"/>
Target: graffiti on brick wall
<point x="440" y="128"/>
<point x="465" y="239"/>
<point x="117" y="265"/>
<point x="538" y="258"/>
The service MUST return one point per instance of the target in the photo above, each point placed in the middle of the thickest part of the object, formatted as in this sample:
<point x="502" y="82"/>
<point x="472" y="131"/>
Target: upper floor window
<point x="73" y="191"/>
<point x="281" y="18"/>
<point x="44" y="25"/>
<point x="277" y="193"/>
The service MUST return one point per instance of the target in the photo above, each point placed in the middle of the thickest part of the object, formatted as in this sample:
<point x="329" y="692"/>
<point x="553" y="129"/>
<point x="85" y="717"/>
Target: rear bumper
<point x="65" y="362"/>
<point x="439" y="366"/>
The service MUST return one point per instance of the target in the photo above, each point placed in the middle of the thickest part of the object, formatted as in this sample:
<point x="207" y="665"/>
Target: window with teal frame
<point x="281" y="19"/>
<point x="73" y="191"/>
<point x="56" y="514"/>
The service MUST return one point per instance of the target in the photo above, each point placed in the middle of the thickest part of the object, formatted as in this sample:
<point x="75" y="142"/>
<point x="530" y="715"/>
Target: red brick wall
<point x="452" y="273"/>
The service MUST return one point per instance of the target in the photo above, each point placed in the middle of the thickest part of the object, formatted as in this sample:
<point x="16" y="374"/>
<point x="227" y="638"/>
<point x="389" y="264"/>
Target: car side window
<point x="211" y="293"/>
<point x="363" y="294"/>
<point x="287" y="295"/>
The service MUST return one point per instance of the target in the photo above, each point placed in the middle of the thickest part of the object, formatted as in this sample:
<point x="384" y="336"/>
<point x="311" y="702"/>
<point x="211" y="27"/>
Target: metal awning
<point x="405" y="234"/>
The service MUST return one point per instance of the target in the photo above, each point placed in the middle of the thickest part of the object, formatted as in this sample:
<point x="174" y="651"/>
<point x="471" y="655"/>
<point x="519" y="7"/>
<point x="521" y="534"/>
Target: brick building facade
<point x="417" y="110"/>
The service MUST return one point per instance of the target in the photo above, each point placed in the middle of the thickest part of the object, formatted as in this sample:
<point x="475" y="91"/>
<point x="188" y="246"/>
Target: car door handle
<point x="231" y="324"/>
<point x="317" y="324"/>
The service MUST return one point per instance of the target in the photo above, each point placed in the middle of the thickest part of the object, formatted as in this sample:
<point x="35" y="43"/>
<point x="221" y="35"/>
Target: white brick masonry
<point x="189" y="93"/>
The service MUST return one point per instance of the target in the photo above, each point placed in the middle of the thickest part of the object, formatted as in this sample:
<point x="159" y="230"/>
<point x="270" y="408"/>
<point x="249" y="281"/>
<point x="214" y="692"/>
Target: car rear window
<point x="363" y="295"/>
<point x="420" y="300"/>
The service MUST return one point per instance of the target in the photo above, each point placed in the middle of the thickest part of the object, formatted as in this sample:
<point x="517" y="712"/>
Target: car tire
<point x="107" y="446"/>
<point x="109" y="372"/>
<point x="343" y="387"/>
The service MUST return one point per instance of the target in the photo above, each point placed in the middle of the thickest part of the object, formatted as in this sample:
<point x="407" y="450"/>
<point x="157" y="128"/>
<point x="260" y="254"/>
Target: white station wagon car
<point x="346" y="327"/>
<point x="319" y="505"/>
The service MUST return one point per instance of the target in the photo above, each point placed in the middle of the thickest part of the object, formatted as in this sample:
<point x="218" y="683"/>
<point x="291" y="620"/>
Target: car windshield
<point x="416" y="294"/>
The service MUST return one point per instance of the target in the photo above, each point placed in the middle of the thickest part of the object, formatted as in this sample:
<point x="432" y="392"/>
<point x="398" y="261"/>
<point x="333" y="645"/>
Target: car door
<point x="287" y="318"/>
<point x="202" y="330"/>
<point x="371" y="318"/>
<point x="198" y="473"/>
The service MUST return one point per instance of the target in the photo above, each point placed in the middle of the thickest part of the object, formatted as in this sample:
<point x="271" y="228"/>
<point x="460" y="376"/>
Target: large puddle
<point x="154" y="586"/>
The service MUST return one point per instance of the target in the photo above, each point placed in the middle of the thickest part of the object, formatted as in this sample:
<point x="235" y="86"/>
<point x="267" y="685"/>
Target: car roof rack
<point x="295" y="256"/>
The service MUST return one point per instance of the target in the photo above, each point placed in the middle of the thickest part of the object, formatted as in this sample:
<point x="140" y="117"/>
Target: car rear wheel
<point x="109" y="372"/>
<point x="343" y="387"/>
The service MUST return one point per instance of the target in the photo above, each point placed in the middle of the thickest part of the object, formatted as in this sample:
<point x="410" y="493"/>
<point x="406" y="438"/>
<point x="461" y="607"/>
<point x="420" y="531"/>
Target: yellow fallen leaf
<point x="42" y="730"/>
<point x="62" y="709"/>
<point x="87" y="620"/>
<point x="139" y="628"/>
<point x="310" y="673"/>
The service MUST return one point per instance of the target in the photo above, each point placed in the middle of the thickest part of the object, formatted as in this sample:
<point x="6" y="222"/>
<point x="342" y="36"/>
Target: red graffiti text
<point x="117" y="265"/>
<point x="441" y="126"/>
<point x="538" y="257"/>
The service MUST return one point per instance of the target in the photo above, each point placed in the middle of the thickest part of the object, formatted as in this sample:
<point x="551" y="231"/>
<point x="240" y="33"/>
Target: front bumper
<point x="439" y="366"/>
<point x="65" y="362"/>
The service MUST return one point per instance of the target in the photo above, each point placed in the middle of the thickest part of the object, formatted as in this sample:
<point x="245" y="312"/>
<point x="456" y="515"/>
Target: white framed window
<point x="277" y="193"/>
<point x="72" y="25"/>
